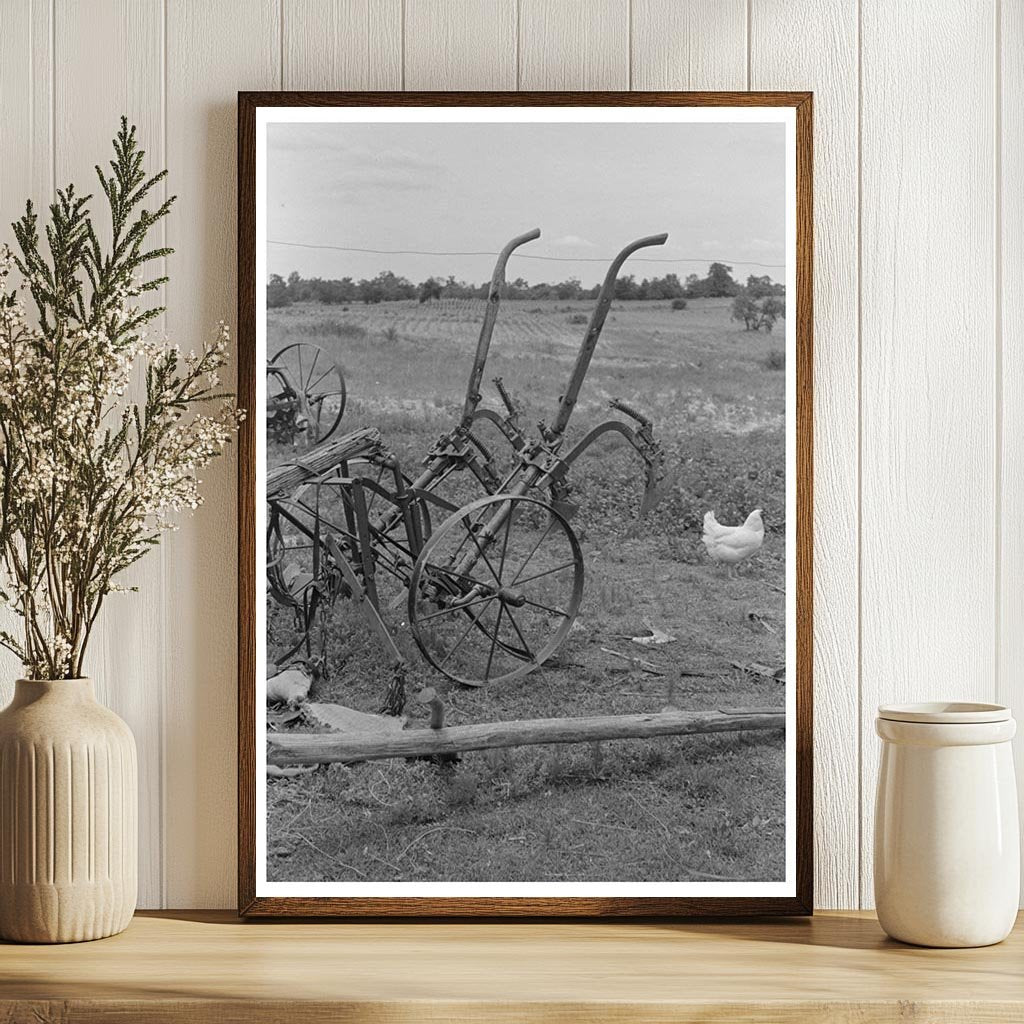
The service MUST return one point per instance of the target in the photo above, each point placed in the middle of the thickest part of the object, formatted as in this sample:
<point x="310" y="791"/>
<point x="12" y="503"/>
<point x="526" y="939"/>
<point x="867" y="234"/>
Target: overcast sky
<point x="717" y="189"/>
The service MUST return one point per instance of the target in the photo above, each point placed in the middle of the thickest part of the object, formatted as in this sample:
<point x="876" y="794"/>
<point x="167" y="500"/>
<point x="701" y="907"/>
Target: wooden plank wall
<point x="919" y="296"/>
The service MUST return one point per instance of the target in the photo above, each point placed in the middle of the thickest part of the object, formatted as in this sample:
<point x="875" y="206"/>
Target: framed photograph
<point x="525" y="504"/>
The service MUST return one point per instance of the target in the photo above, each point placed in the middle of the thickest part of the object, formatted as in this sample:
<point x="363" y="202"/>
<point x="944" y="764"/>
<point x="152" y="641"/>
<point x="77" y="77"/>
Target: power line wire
<point x="525" y="256"/>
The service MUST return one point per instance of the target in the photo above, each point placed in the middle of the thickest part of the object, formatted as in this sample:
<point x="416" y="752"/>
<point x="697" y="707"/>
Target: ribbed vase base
<point x="64" y="913"/>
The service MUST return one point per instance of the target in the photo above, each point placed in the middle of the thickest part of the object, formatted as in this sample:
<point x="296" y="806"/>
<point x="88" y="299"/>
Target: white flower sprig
<point x="89" y="477"/>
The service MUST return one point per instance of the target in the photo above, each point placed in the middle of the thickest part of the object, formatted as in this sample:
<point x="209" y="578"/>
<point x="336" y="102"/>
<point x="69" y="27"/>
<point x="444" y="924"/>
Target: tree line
<point x="390" y="287"/>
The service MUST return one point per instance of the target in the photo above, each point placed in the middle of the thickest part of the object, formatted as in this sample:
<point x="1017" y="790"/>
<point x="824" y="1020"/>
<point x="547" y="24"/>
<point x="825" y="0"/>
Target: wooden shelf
<point x="203" y="967"/>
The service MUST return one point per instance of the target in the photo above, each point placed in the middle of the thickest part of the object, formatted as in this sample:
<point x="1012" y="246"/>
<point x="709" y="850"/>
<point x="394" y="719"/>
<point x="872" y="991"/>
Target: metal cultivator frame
<point x="491" y="590"/>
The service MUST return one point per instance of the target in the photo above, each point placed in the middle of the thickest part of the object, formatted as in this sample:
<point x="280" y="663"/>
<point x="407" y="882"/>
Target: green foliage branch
<point x="102" y="430"/>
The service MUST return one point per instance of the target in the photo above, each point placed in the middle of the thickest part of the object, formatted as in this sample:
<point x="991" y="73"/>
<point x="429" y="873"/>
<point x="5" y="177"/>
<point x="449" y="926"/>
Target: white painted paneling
<point x="342" y="44"/>
<point x="213" y="50"/>
<point x="573" y="44"/>
<point x="689" y="44"/>
<point x="127" y="666"/>
<point x="26" y="170"/>
<point x="928" y="363"/>
<point x="1010" y="312"/>
<point x="919" y="172"/>
<point x="466" y="45"/>
<point x="780" y="59"/>
<point x="26" y="106"/>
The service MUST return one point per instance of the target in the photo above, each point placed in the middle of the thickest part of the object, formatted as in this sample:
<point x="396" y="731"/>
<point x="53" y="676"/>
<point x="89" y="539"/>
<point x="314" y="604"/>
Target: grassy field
<point x="670" y="809"/>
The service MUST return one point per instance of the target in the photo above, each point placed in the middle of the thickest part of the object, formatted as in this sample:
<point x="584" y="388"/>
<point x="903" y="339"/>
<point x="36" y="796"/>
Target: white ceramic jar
<point x="68" y="815"/>
<point x="947" y="848"/>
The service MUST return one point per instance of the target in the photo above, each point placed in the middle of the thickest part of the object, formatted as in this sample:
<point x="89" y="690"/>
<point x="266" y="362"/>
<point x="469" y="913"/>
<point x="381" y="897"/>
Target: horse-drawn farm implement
<point x="305" y="395"/>
<point x="491" y="587"/>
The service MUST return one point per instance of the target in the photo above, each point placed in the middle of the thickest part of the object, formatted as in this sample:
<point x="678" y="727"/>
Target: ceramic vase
<point x="947" y="848"/>
<point x="68" y="815"/>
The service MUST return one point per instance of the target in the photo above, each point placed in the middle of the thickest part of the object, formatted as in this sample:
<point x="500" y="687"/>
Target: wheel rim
<point x="496" y="589"/>
<point x="316" y="380"/>
<point x="292" y="537"/>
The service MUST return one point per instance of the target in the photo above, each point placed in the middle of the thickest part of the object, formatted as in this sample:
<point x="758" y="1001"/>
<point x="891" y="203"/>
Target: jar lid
<point x="945" y="713"/>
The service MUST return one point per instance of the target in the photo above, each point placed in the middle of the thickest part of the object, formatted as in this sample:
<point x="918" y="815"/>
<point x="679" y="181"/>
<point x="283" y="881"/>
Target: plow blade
<point x="655" y="489"/>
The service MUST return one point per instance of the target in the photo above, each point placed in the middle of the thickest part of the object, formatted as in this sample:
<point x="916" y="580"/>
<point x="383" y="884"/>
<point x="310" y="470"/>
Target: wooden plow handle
<point x="487" y="327"/>
<point x="567" y="402"/>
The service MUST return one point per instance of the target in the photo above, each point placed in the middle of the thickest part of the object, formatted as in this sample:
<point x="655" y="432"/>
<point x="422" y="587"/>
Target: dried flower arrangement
<point x="91" y="472"/>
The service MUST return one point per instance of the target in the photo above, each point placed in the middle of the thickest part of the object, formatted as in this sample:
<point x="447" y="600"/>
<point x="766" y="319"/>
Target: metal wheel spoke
<point x="504" y="546"/>
<point x="326" y="373"/>
<point x="494" y="641"/>
<point x="533" y="551"/>
<point x="472" y="625"/>
<point x="483" y="554"/>
<point x="454" y="556"/>
<point x="547" y="608"/>
<point x="519" y="633"/>
<point x="547" y="572"/>
<point x="441" y="570"/>
<point x="307" y="387"/>
<point x="454" y="609"/>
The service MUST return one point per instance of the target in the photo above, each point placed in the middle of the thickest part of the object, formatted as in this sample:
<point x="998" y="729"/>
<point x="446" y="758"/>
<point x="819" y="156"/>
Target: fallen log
<point x="328" y="748"/>
<point x="359" y="444"/>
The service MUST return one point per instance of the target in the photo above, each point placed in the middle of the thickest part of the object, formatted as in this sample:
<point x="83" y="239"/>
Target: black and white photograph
<point x="525" y="502"/>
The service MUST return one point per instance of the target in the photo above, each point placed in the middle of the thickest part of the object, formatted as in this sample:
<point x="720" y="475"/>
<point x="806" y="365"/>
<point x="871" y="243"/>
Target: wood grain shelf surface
<point x="210" y="967"/>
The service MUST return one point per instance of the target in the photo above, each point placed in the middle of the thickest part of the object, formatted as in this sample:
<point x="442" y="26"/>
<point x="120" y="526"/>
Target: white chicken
<point x="732" y="544"/>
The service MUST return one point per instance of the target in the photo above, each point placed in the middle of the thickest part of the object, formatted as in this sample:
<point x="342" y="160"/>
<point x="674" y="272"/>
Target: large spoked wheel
<point x="496" y="589"/>
<point x="305" y="394"/>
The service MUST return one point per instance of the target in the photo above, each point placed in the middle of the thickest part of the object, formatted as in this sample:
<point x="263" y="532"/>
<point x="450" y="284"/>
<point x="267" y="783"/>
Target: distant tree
<point x="297" y="287"/>
<point x="390" y="287"/>
<point x="721" y="283"/>
<point x="718" y="284"/>
<point x="627" y="288"/>
<point x="394" y="288"/>
<point x="277" y="292"/>
<point x="455" y="289"/>
<point x="430" y="289"/>
<point x="758" y="287"/>
<point x="568" y="290"/>
<point x="385" y="287"/>
<point x="517" y="289"/>
<point x="670" y="287"/>
<point x="667" y="287"/>
<point x="764" y="286"/>
<point x="746" y="309"/>
<point x="772" y="309"/>
<point x="335" y="293"/>
<point x="369" y="292"/>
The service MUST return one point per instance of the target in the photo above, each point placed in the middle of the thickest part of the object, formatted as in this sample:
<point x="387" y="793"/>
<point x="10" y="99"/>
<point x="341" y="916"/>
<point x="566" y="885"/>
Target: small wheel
<point x="496" y="589"/>
<point x="305" y="392"/>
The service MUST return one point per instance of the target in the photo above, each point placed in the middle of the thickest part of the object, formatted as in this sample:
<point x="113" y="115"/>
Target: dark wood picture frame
<point x="515" y="907"/>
